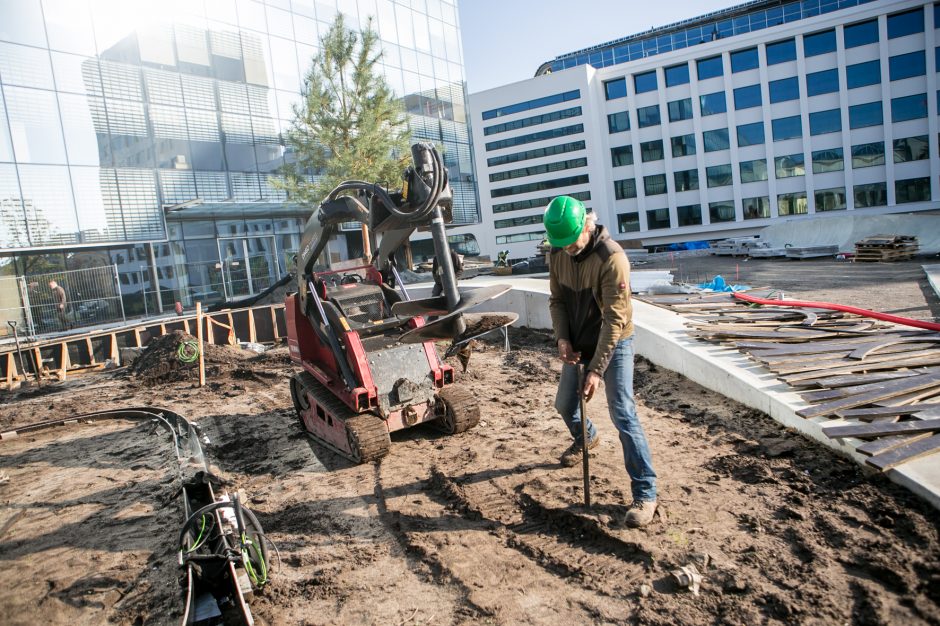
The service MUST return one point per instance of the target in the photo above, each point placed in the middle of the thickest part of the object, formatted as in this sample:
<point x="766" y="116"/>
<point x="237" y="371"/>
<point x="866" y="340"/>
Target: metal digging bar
<point x="196" y="489"/>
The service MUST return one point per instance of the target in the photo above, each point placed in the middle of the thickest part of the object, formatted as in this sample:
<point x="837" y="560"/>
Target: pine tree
<point x="349" y="125"/>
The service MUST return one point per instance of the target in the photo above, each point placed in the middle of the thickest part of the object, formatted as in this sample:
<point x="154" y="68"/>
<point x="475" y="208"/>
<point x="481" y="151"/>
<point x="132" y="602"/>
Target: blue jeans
<point x="618" y="385"/>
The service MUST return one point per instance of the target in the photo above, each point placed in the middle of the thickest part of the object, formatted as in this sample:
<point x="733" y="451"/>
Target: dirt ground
<point x="481" y="527"/>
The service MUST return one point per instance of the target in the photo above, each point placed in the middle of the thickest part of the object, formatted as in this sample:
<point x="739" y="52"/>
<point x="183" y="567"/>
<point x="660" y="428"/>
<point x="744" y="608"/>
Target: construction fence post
<point x="202" y="360"/>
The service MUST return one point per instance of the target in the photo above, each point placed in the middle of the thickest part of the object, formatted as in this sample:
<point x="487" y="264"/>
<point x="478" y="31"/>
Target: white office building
<point x="720" y="125"/>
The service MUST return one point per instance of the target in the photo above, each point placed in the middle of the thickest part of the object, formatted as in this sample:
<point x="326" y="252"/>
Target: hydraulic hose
<point x="886" y="317"/>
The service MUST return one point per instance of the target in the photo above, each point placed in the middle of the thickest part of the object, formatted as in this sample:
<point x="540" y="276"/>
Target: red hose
<point x="896" y="319"/>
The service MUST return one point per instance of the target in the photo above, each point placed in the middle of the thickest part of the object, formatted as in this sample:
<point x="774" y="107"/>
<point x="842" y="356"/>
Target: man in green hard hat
<point x="589" y="277"/>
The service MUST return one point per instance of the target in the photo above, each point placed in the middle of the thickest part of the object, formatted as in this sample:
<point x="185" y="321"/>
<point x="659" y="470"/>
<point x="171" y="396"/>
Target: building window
<point x="750" y="134"/>
<point x="787" y="128"/>
<point x="686" y="180"/>
<point x="528" y="220"/>
<point x="828" y="161"/>
<point x="912" y="190"/>
<point x="654" y="185"/>
<point x="862" y="115"/>
<point x="716" y="140"/>
<point x="718" y="175"/>
<point x="689" y="215"/>
<point x="747" y="97"/>
<point x="819" y="43"/>
<point x="680" y="110"/>
<point x="907" y="65"/>
<point x="713" y="103"/>
<point x="709" y="68"/>
<point x="621" y="155"/>
<point x="535" y="154"/>
<point x="743" y="60"/>
<point x="532" y="104"/>
<point x="541" y="185"/>
<point x="722" y="211"/>
<point x="756" y="208"/>
<point x="534" y="170"/>
<point x="823" y="122"/>
<point x="908" y="108"/>
<point x="648" y="116"/>
<point x="614" y="89"/>
<point x="677" y="75"/>
<point x="657" y="219"/>
<point x="645" y="82"/>
<point x="907" y="23"/>
<point x="683" y="145"/>
<point x="860" y="34"/>
<point x="618" y="122"/>
<point x="830" y="199"/>
<point x="624" y="189"/>
<point x="539" y="203"/>
<point x="753" y="171"/>
<point x="911" y="149"/>
<point x="784" y="89"/>
<point x="628" y="222"/>
<point x="781" y="52"/>
<point x="872" y="194"/>
<point x="535" y="120"/>
<point x="826" y="81"/>
<point x="651" y="151"/>
<point x="868" y="154"/>
<point x="533" y="137"/>
<point x="518" y="237"/>
<point x="792" y="203"/>
<point x="861" y="74"/>
<point x="789" y="165"/>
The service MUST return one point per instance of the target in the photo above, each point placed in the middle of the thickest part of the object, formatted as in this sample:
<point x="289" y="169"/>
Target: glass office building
<point x="147" y="134"/>
<point x="721" y="125"/>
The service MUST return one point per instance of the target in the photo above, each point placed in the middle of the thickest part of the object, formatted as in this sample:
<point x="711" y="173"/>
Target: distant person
<point x="61" y="300"/>
<point x="592" y="316"/>
<point x="438" y="272"/>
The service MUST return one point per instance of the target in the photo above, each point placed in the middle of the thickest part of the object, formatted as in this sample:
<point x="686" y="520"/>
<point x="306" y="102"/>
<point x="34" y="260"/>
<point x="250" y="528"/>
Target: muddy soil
<point x="480" y="527"/>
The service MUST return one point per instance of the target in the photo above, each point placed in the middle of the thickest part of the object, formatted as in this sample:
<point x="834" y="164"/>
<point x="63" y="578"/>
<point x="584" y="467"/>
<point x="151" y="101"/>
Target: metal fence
<point x="91" y="297"/>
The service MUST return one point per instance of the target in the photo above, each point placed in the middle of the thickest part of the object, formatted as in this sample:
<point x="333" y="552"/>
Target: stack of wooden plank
<point x="884" y="248"/>
<point x="883" y="379"/>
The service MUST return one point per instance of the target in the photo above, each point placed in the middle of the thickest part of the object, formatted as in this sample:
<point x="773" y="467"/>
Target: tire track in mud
<point x="559" y="541"/>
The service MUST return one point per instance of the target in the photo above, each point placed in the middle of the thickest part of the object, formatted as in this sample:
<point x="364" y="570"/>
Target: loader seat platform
<point x="365" y="308"/>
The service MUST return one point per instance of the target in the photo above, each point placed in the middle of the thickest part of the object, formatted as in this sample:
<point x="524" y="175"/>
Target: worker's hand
<point x="591" y="381"/>
<point x="566" y="352"/>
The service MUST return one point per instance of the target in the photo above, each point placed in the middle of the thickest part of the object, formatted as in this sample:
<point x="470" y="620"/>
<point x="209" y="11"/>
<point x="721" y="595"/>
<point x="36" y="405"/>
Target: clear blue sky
<point x="505" y="41"/>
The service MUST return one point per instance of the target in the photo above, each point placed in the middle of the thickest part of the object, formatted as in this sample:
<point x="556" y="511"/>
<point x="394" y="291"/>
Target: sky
<point x="505" y="41"/>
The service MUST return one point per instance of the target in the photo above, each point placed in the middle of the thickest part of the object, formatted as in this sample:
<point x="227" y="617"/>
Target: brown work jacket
<point x="590" y="298"/>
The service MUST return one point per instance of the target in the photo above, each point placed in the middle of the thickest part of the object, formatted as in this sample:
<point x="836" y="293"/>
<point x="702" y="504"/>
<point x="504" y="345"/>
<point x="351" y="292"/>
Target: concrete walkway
<point x="662" y="339"/>
<point x="933" y="277"/>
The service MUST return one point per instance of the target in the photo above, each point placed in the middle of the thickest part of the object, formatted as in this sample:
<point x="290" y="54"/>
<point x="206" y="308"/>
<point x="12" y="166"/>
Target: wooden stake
<point x="202" y="360"/>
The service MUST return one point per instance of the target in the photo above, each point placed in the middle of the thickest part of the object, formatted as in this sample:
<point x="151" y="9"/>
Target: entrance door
<point x="249" y="265"/>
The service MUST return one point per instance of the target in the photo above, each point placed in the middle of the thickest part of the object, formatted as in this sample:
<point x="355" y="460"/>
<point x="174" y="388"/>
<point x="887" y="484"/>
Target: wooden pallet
<point x="886" y="248"/>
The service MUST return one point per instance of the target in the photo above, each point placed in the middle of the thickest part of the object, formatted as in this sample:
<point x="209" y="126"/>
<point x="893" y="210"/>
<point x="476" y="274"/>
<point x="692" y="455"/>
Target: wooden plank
<point x="843" y="343"/>
<point x="889" y="390"/>
<point x="887" y="411"/>
<point x="904" y="453"/>
<point x="863" y="351"/>
<point x="831" y="365"/>
<point x="884" y="444"/>
<point x="881" y="429"/>
<point x="862" y="367"/>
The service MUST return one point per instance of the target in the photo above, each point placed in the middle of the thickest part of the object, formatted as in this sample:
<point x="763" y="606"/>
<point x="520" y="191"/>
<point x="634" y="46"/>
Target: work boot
<point x="572" y="456"/>
<point x="640" y="513"/>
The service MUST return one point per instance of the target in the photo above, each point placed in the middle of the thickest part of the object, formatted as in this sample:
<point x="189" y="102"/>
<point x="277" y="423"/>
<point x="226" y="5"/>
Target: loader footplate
<point x="360" y="438"/>
<point x="458" y="410"/>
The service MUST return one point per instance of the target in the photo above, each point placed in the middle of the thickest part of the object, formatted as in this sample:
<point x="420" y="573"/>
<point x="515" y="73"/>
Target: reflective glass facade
<point x="112" y="111"/>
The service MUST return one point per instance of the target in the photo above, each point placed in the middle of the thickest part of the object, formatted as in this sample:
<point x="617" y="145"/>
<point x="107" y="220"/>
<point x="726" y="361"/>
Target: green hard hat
<point x="564" y="221"/>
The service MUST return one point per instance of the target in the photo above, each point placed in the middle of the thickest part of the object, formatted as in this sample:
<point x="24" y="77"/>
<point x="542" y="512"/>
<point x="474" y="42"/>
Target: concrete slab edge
<point x="933" y="277"/>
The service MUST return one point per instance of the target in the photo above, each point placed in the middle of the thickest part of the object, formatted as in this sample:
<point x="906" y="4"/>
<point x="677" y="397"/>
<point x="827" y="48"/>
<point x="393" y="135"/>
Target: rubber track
<point x="465" y="408"/>
<point x="368" y="430"/>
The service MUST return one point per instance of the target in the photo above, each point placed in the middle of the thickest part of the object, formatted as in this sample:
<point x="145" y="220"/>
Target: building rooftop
<point x="736" y="20"/>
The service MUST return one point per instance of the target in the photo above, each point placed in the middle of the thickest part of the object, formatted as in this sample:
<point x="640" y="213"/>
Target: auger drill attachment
<point x="369" y="359"/>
